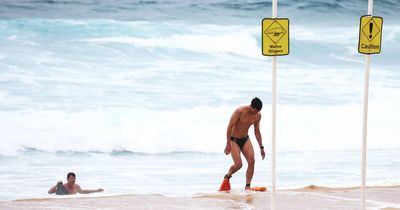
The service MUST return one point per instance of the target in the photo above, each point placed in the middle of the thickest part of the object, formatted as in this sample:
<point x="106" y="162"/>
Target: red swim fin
<point x="225" y="186"/>
<point x="260" y="189"/>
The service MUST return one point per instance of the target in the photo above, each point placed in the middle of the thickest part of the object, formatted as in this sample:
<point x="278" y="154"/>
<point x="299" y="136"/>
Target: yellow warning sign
<point x="275" y="36"/>
<point x="370" y="37"/>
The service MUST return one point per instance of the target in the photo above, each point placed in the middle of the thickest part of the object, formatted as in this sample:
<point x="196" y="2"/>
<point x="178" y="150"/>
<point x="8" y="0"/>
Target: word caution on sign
<point x="370" y="36"/>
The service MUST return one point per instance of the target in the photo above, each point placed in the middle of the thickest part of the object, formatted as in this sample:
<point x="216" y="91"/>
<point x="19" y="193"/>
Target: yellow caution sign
<point x="370" y="37"/>
<point x="275" y="36"/>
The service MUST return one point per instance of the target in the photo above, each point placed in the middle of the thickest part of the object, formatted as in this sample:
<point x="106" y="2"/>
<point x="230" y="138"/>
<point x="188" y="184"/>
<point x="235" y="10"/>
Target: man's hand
<point x="262" y="154"/>
<point x="100" y="190"/>
<point x="228" y="149"/>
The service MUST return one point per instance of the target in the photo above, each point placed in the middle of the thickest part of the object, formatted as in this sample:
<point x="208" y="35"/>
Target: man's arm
<point x="232" y="122"/>
<point x="54" y="188"/>
<point x="88" y="191"/>
<point x="257" y="133"/>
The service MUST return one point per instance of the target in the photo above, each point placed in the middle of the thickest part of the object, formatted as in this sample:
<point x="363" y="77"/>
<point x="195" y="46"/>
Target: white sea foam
<point x="201" y="129"/>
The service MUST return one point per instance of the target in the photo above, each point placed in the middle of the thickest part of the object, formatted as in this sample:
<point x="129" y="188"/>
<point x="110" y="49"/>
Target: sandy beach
<point x="307" y="198"/>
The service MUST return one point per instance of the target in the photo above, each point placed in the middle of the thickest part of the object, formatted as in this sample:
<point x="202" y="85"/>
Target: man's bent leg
<point x="237" y="161"/>
<point x="248" y="153"/>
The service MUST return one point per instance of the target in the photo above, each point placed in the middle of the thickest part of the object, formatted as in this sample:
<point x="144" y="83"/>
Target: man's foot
<point x="225" y="186"/>
<point x="247" y="187"/>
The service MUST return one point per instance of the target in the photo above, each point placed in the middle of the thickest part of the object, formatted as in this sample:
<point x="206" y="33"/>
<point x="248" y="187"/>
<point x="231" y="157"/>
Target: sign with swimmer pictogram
<point x="370" y="37"/>
<point x="275" y="36"/>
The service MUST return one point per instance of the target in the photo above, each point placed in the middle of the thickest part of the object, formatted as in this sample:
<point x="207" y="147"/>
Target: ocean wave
<point x="238" y="39"/>
<point x="28" y="151"/>
<point x="245" y="44"/>
<point x="80" y="65"/>
<point x="202" y="129"/>
<point x="322" y="6"/>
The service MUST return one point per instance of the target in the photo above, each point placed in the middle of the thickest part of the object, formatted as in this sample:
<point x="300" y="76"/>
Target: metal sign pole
<point x="364" y="136"/>
<point x="365" y="118"/>
<point x="273" y="132"/>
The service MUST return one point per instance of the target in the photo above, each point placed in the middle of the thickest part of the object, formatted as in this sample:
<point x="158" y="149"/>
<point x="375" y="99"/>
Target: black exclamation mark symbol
<point x="371" y="25"/>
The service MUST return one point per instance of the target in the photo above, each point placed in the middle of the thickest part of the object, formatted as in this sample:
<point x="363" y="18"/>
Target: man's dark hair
<point x="256" y="103"/>
<point x="71" y="174"/>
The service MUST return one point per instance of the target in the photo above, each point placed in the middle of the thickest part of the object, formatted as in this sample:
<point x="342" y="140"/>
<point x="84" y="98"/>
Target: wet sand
<point x="307" y="198"/>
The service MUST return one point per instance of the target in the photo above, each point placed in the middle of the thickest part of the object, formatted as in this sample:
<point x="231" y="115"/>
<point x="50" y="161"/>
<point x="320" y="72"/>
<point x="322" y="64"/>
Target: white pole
<point x="273" y="132"/>
<point x="365" y="119"/>
<point x="370" y="6"/>
<point x="364" y="142"/>
<point x="274" y="8"/>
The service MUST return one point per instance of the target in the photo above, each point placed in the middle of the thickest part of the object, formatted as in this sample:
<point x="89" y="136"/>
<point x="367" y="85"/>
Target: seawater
<point x="32" y="173"/>
<point x="158" y="80"/>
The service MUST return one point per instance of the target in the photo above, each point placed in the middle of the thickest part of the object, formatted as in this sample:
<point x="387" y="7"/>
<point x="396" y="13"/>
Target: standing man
<point x="237" y="140"/>
<point x="70" y="187"/>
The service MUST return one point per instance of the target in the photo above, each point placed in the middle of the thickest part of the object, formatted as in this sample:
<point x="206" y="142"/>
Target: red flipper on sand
<point x="260" y="189"/>
<point x="225" y="186"/>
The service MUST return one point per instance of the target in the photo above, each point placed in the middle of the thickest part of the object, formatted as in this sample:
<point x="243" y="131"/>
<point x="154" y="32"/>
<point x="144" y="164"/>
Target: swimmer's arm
<point x="88" y="191"/>
<point x="257" y="133"/>
<point x="52" y="189"/>
<point x="232" y="122"/>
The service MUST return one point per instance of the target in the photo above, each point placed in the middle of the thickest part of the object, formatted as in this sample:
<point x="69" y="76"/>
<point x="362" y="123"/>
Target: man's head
<point x="256" y="105"/>
<point x="71" y="177"/>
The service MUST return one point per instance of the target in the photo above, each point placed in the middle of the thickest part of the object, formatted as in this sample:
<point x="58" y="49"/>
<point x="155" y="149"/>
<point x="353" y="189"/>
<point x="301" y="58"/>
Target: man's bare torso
<point x="72" y="189"/>
<point x="246" y="119"/>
